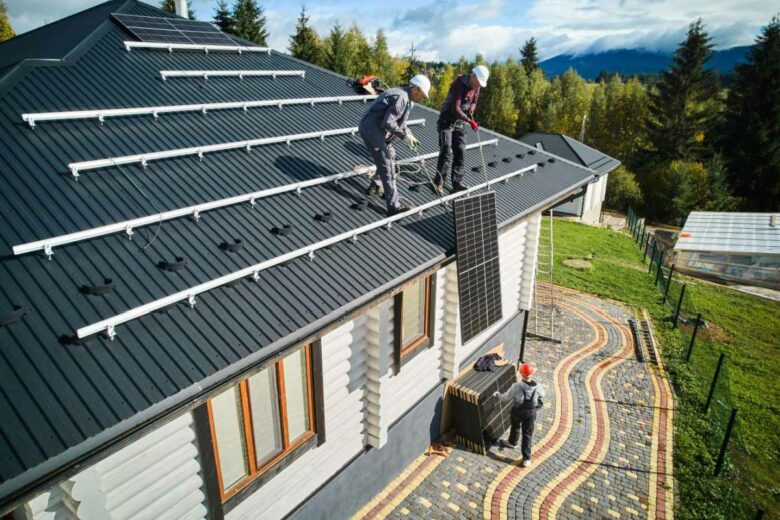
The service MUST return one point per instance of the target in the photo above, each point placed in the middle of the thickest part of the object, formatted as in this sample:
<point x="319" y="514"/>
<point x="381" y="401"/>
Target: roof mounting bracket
<point x="101" y="119"/>
<point x="129" y="232"/>
<point x="248" y="148"/>
<point x="196" y="215"/>
<point x="420" y="214"/>
<point x="298" y="191"/>
<point x="155" y="115"/>
<point x="47" y="250"/>
<point x="245" y="107"/>
<point x="322" y="137"/>
<point x="256" y="276"/>
<point x="203" y="110"/>
<point x="280" y="107"/>
<point x="74" y="173"/>
<point x="170" y="49"/>
<point x="200" y="155"/>
<point x="311" y="255"/>
<point x="252" y="202"/>
<point x="240" y="76"/>
<point x="355" y="237"/>
<point x="341" y="101"/>
<point x="143" y="162"/>
<point x="191" y="300"/>
<point x="206" y="50"/>
<point x="111" y="332"/>
<point x="389" y="225"/>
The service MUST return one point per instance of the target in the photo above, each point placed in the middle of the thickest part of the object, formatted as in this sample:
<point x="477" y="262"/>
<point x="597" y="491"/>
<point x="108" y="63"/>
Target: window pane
<point x="264" y="404"/>
<point x="413" y="312"/>
<point x="226" y="414"/>
<point x="297" y="394"/>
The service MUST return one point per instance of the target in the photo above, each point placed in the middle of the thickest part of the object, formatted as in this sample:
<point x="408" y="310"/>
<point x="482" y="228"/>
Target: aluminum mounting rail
<point x="170" y="47"/>
<point x="200" y="151"/>
<point x="102" y="114"/>
<point x="109" y="325"/>
<point x="128" y="226"/>
<point x="240" y="74"/>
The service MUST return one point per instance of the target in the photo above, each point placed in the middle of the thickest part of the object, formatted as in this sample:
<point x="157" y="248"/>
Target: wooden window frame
<point x="289" y="449"/>
<point x="403" y="354"/>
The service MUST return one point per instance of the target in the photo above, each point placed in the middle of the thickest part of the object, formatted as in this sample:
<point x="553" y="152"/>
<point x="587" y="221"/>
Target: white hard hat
<point x="422" y="82"/>
<point x="482" y="73"/>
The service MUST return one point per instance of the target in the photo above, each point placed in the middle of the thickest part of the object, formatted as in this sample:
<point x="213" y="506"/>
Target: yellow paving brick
<point x="445" y="483"/>
<point x="461" y="487"/>
<point x="488" y="469"/>
<point x="591" y="484"/>
<point x="612" y="498"/>
<point x="473" y="505"/>
<point x="424" y="502"/>
<point x="606" y="482"/>
<point x="614" y="514"/>
<point x="631" y="474"/>
<point x="632" y="511"/>
<point x="477" y="485"/>
<point x="594" y="500"/>
<point x="404" y="511"/>
<point x="460" y="459"/>
<point x="445" y="496"/>
<point x="454" y="507"/>
<point x="577" y="509"/>
<point x="633" y="497"/>
<point x="460" y="470"/>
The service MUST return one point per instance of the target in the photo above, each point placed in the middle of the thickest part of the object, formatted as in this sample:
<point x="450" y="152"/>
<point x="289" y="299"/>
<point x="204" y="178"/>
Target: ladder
<point x="544" y="288"/>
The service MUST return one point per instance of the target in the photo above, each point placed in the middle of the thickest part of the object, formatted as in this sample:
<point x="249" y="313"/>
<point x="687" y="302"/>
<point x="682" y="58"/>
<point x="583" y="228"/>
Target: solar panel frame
<point x="172" y="30"/>
<point x="479" y="268"/>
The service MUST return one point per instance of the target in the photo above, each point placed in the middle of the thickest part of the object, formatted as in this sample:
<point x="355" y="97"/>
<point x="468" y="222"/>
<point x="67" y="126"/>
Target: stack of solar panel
<point x="479" y="418"/>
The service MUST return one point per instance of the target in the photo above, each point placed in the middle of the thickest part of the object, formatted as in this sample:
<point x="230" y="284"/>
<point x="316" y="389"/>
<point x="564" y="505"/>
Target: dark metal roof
<point x="61" y="403"/>
<point x="573" y="150"/>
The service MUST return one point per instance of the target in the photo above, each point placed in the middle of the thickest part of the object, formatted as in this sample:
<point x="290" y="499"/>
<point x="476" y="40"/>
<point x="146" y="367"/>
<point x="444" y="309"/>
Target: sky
<point x="447" y="29"/>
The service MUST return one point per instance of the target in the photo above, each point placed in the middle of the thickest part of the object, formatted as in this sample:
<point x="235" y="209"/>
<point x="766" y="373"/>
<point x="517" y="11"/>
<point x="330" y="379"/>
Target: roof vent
<point x="360" y="205"/>
<point x="531" y="152"/>
<point x="283" y="230"/>
<point x="325" y="216"/>
<point x="492" y="164"/>
<point x="540" y="165"/>
<point x="177" y="264"/>
<point x="14" y="315"/>
<point x="476" y="169"/>
<point x="507" y="160"/>
<point x="520" y="155"/>
<point x="551" y="160"/>
<point x="232" y="248"/>
<point x="98" y="290"/>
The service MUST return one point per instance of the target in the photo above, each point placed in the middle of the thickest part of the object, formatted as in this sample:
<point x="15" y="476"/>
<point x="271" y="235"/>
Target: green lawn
<point x="748" y="331"/>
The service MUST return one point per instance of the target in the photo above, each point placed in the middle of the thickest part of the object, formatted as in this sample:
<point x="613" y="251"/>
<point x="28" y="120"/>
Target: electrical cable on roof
<point x="154" y="206"/>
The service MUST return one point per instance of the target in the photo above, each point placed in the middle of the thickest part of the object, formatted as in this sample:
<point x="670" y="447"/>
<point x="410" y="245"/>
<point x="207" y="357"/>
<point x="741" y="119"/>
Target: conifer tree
<point x="360" y="51"/>
<point x="6" y="31"/>
<point x="337" y="57"/>
<point x="383" y="62"/>
<point x="305" y="44"/>
<point x="682" y="109"/>
<point x="170" y="6"/>
<point x="250" y="22"/>
<point x="443" y="87"/>
<point x="413" y="67"/>
<point x="223" y="18"/>
<point x="754" y="123"/>
<point x="530" y="57"/>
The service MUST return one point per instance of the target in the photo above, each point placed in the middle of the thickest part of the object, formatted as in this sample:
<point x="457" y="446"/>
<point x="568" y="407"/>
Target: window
<point x="261" y="420"/>
<point x="413" y="319"/>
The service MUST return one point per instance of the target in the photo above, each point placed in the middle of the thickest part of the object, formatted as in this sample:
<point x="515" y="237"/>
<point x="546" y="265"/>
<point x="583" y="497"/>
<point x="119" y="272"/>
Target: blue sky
<point x="447" y="29"/>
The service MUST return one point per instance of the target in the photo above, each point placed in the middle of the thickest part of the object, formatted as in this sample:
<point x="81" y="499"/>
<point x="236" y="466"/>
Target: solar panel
<point x="479" y="276"/>
<point x="172" y="30"/>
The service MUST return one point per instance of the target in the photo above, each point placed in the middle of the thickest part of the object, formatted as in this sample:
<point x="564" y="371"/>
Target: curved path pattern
<point x="603" y="441"/>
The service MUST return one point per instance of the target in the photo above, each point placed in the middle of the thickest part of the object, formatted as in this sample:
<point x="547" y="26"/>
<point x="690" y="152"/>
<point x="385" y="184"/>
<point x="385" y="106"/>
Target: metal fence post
<point x="724" y="446"/>
<point x="679" y="305"/>
<point x="628" y="218"/>
<point x="652" y="257"/>
<point x="647" y="244"/>
<point x="660" y="267"/>
<point x="693" y="338"/>
<point x="714" y="383"/>
<point x="668" y="282"/>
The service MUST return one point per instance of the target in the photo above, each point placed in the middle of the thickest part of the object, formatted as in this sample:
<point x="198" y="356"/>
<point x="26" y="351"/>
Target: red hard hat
<point x="526" y="369"/>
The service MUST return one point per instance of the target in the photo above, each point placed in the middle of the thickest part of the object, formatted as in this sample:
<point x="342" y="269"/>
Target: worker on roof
<point x="457" y="112"/>
<point x="385" y="121"/>
<point x="526" y="396"/>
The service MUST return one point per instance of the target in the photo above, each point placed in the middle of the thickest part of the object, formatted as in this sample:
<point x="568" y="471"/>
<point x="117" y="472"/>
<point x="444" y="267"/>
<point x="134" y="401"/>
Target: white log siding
<point x="344" y="380"/>
<point x="158" y="477"/>
<point x="593" y="200"/>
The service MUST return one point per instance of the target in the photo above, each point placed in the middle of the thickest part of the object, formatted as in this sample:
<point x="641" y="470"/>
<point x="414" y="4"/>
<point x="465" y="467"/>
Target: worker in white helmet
<point x="385" y="121"/>
<point x="457" y="112"/>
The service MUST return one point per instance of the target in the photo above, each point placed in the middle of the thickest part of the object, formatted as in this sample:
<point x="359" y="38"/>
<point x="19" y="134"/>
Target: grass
<point x="747" y="328"/>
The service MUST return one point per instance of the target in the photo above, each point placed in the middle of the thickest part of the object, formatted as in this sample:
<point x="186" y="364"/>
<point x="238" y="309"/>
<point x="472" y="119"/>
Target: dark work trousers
<point x="523" y="418"/>
<point x="384" y="158"/>
<point x="452" y="147"/>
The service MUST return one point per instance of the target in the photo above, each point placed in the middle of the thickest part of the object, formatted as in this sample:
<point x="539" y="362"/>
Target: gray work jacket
<point x="523" y="393"/>
<point x="385" y="118"/>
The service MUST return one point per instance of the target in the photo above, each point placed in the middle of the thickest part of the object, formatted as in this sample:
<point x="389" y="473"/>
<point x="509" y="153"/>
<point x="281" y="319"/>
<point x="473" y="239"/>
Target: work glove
<point x="411" y="141"/>
<point x="474" y="125"/>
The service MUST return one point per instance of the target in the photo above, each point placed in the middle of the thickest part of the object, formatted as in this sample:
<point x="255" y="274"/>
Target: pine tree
<point x="337" y="56"/>
<point x="170" y="6"/>
<point x="754" y="123"/>
<point x="531" y="91"/>
<point x="360" y="50"/>
<point x="683" y="108"/>
<point x="413" y="67"/>
<point x="250" y="22"/>
<point x="443" y="86"/>
<point x="6" y="31"/>
<point x="305" y="44"/>
<point x="383" y="62"/>
<point x="530" y="56"/>
<point x="564" y="103"/>
<point x="223" y="19"/>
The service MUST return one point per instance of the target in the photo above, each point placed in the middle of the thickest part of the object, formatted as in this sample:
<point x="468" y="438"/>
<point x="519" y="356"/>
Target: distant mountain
<point x="633" y="61"/>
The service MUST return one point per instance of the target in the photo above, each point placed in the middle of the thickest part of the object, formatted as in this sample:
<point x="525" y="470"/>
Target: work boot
<point x="438" y="188"/>
<point x="458" y="186"/>
<point x="374" y="189"/>
<point x="399" y="209"/>
<point x="526" y="463"/>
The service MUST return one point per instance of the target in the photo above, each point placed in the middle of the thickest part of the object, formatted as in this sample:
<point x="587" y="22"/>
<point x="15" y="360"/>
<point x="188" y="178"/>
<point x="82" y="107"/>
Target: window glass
<point x="413" y="313"/>
<point x="226" y="411"/>
<point x="264" y="405"/>
<point x="296" y="387"/>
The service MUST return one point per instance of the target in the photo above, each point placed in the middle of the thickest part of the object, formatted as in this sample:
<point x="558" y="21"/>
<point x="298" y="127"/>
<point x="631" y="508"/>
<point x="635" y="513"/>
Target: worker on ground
<point x="526" y="396"/>
<point x="383" y="122"/>
<point x="457" y="112"/>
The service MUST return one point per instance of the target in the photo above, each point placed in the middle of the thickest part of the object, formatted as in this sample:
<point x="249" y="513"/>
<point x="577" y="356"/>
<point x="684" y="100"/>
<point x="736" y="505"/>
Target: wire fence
<point x="701" y="351"/>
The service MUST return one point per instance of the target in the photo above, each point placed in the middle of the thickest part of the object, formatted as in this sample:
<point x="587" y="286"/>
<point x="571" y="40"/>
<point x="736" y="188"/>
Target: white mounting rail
<point x="144" y="158"/>
<point x="109" y="325"/>
<point x="170" y="47"/>
<point x="102" y="114"/>
<point x="240" y="74"/>
<point x="128" y="226"/>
